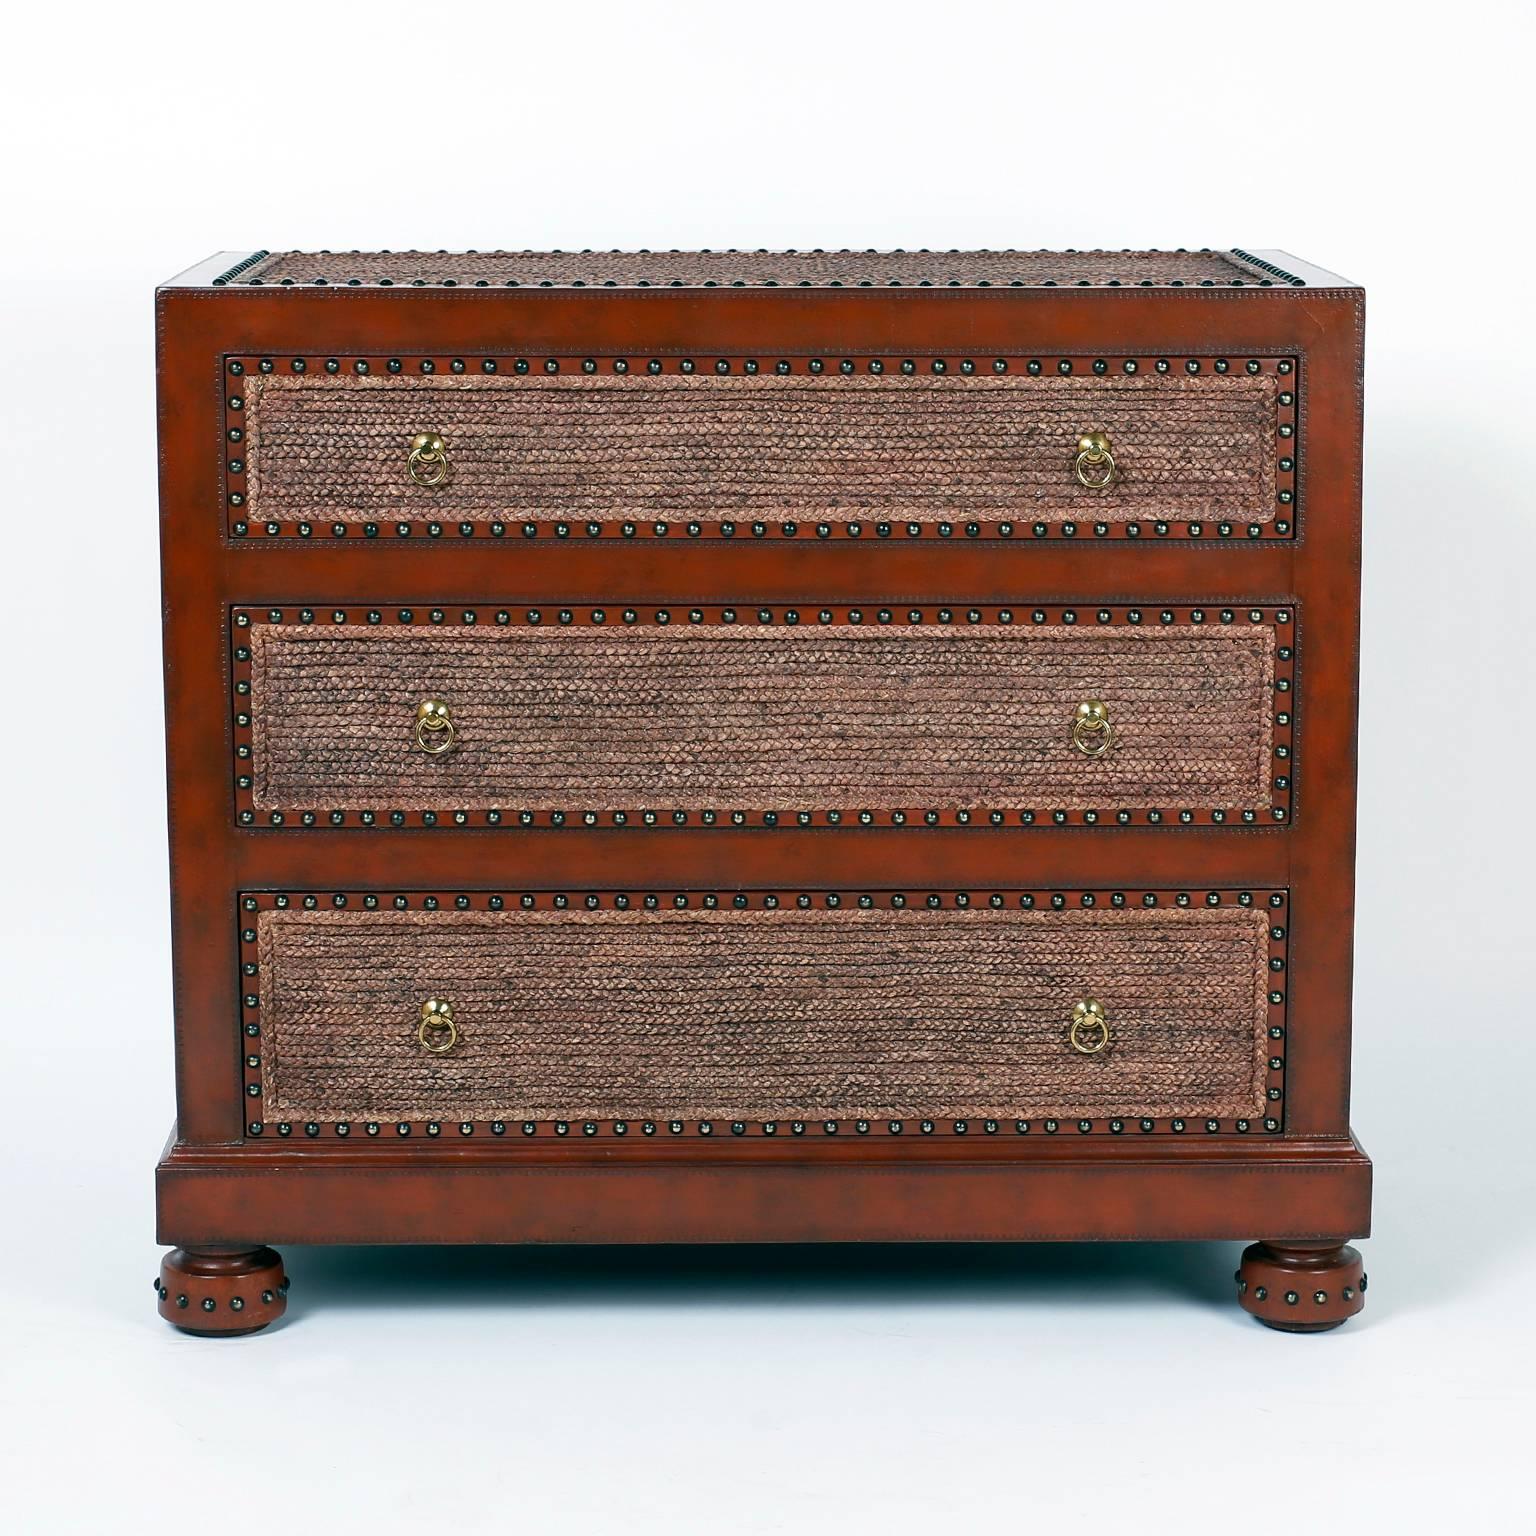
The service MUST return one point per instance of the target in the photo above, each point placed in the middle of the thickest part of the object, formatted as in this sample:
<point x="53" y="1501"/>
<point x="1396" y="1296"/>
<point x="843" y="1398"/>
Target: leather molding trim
<point x="1314" y="1190"/>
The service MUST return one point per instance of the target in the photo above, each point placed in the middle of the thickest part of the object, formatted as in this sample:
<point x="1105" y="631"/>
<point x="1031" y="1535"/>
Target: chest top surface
<point x="766" y="269"/>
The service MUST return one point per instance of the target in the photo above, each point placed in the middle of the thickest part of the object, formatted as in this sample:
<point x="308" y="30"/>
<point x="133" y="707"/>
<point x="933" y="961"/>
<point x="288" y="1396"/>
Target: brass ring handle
<point x="437" y="1032"/>
<point x="1090" y="1027"/>
<point x="1092" y="734"/>
<point x="1095" y="464"/>
<point x="427" y="462"/>
<point x="435" y="730"/>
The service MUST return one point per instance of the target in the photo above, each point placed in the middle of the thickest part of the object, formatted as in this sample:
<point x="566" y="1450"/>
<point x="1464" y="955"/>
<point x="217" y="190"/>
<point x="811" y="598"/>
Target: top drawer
<point x="865" y="447"/>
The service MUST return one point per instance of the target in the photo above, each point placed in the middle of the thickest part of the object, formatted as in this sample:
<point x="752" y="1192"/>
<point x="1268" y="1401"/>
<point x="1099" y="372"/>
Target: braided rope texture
<point x="762" y="1014"/>
<point x="833" y="717"/>
<point x="774" y="268"/>
<point x="712" y="446"/>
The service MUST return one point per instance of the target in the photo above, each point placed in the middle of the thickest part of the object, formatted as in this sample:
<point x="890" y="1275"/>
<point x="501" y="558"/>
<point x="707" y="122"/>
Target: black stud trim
<point x="240" y="267"/>
<point x="1278" y="273"/>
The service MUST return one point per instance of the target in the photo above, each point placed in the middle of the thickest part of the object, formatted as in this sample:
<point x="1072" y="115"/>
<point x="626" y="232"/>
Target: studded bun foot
<point x="222" y="1292"/>
<point x="1301" y="1287"/>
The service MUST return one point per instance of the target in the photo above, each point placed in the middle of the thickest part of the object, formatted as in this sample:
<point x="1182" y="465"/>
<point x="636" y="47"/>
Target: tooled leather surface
<point x="813" y="717"/>
<point x="792" y="1013"/>
<point x="711" y="447"/>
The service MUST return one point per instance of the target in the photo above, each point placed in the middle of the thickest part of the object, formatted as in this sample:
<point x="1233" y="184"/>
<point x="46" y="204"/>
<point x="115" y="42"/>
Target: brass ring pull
<point x="435" y="730"/>
<point x="437" y="1032"/>
<point x="1090" y="1028"/>
<point x="1095" y="464"/>
<point x="427" y="463"/>
<point x="1092" y="734"/>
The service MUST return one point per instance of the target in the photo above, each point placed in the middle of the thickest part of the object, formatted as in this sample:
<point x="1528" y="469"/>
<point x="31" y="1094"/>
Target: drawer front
<point x="764" y="1013"/>
<point x="728" y="717"/>
<point x="739" y="447"/>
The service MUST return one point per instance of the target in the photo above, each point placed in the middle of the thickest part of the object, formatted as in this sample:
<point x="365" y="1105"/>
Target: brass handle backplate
<point x="1092" y="734"/>
<point x="435" y="730"/>
<point x="1095" y="464"/>
<point x="437" y="1032"/>
<point x="1090" y="1027"/>
<point x="427" y="462"/>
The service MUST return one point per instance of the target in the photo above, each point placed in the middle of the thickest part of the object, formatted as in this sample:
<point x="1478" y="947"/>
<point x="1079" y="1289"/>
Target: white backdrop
<point x="760" y="1390"/>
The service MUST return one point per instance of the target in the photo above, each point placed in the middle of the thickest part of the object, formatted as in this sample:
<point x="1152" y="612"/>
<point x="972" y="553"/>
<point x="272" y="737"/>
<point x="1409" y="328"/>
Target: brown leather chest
<point x="807" y="747"/>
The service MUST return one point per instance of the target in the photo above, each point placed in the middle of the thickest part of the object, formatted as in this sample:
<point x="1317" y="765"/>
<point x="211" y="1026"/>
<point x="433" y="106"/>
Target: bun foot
<point x="1301" y="1287"/>
<point x="222" y="1292"/>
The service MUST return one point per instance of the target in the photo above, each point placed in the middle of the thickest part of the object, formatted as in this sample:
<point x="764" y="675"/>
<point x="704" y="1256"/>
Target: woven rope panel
<point x="780" y="718"/>
<point x="781" y="1014"/>
<point x="784" y="268"/>
<point x="709" y="446"/>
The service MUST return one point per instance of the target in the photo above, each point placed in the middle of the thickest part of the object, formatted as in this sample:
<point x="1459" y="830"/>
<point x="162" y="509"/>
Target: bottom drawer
<point x="763" y="1013"/>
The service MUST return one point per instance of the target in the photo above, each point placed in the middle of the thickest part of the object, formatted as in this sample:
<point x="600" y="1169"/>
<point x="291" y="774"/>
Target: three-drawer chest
<point x="744" y="747"/>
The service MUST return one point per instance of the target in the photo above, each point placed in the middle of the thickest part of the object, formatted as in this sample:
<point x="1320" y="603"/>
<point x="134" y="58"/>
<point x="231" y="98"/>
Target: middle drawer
<point x="720" y="715"/>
